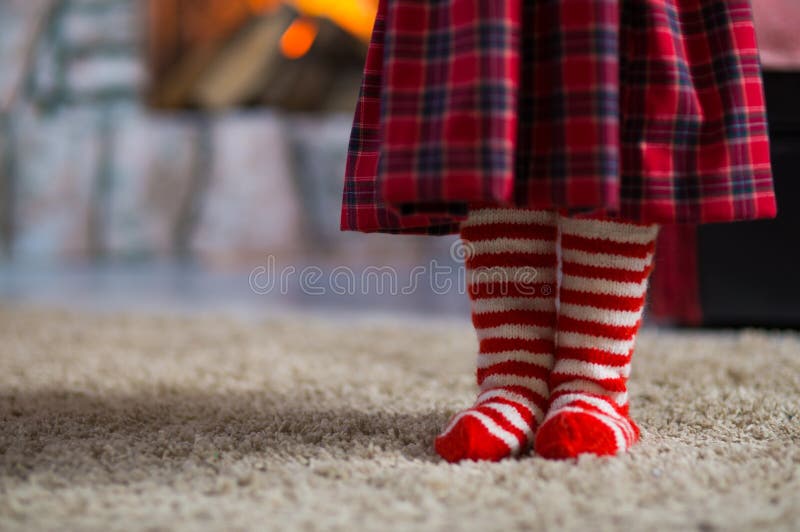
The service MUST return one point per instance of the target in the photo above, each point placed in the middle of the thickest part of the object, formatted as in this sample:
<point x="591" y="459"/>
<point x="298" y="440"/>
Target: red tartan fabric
<point x="645" y="110"/>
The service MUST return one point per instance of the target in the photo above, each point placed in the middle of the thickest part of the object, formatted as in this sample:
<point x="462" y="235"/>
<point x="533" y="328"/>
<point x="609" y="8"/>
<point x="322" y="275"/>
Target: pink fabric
<point x="778" y="31"/>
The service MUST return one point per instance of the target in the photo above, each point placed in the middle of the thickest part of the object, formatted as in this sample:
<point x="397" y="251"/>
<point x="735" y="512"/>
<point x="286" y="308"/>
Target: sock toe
<point x="569" y="434"/>
<point x="470" y="439"/>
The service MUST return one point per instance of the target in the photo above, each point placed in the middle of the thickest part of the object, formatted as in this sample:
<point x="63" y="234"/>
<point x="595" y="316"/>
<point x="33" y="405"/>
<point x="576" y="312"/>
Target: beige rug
<point x="151" y="423"/>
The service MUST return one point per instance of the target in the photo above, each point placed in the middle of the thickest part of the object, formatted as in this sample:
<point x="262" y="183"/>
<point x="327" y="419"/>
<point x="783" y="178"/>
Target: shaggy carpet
<point x="118" y="422"/>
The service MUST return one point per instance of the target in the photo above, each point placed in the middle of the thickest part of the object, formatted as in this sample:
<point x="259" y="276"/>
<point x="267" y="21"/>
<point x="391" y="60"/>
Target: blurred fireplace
<point x="302" y="55"/>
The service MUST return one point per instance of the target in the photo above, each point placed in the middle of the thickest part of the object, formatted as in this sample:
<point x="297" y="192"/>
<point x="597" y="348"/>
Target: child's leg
<point x="605" y="268"/>
<point x="511" y="278"/>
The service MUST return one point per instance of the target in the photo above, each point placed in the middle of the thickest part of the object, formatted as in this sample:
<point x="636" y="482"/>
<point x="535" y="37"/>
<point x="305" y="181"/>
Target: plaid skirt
<point x="644" y="110"/>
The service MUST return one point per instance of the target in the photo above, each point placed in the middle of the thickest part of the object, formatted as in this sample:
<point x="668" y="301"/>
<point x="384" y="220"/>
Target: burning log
<point x="278" y="56"/>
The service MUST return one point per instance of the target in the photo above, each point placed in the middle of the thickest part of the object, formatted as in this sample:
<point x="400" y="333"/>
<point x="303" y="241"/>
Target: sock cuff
<point x="617" y="231"/>
<point x="490" y="216"/>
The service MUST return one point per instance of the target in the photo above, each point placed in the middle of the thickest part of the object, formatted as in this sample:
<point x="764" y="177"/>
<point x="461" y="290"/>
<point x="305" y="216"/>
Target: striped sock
<point x="511" y="277"/>
<point x="605" y="268"/>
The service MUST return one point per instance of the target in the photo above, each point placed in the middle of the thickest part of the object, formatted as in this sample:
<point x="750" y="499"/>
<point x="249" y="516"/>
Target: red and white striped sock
<point x="511" y="278"/>
<point x="605" y="270"/>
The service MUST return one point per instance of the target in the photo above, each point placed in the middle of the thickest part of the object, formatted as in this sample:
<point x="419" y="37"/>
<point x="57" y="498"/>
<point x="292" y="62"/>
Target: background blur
<point x="159" y="152"/>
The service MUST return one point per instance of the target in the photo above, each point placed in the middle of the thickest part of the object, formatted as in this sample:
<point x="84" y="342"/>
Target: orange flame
<point x="298" y="38"/>
<point x="355" y="16"/>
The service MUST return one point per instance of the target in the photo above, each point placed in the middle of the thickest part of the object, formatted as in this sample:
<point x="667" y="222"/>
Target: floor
<point x="157" y="420"/>
<point x="310" y="286"/>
